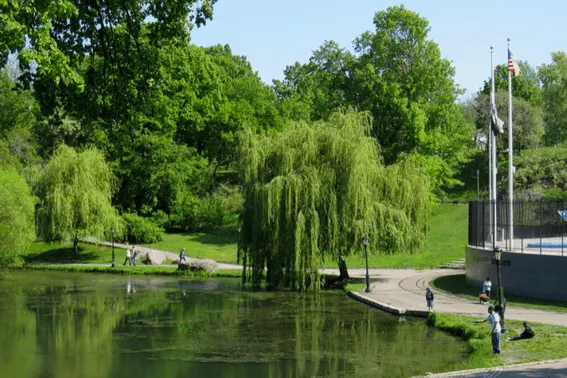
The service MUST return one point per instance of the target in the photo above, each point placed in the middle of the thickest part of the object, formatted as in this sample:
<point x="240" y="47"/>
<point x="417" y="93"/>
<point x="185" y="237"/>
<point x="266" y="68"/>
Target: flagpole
<point x="510" y="158"/>
<point x="491" y="231"/>
<point x="493" y="159"/>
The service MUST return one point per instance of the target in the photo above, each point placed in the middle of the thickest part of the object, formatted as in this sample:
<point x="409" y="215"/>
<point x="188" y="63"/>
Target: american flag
<point x="512" y="64"/>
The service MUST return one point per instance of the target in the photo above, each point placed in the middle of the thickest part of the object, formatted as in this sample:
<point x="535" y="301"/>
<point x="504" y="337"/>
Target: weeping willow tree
<point x="75" y="197"/>
<point x="314" y="191"/>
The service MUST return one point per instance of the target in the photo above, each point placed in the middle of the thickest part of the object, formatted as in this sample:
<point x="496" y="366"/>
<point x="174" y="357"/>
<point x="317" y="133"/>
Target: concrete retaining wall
<point x="528" y="275"/>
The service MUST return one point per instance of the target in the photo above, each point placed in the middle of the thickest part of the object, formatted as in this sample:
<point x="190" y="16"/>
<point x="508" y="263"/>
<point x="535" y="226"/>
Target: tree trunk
<point x="76" y="246"/>
<point x="343" y="272"/>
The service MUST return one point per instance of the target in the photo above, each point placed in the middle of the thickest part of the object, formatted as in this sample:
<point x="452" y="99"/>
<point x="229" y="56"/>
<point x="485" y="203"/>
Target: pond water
<point x="55" y="324"/>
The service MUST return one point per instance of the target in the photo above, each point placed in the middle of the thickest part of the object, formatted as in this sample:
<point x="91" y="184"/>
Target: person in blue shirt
<point x="182" y="255"/>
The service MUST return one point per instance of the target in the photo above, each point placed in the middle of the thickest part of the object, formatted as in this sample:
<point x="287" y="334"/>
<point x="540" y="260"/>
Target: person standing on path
<point x="182" y="255"/>
<point x="495" y="330"/>
<point x="134" y="254"/>
<point x="487" y="286"/>
<point x="429" y="298"/>
<point x="128" y="257"/>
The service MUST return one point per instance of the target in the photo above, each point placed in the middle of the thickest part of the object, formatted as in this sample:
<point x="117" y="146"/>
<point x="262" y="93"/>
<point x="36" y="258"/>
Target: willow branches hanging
<point x="314" y="190"/>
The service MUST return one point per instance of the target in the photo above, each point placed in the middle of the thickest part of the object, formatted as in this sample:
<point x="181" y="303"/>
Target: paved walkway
<point x="404" y="289"/>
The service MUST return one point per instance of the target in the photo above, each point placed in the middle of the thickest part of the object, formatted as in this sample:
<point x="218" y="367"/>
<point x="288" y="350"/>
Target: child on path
<point x="429" y="298"/>
<point x="483" y="298"/>
<point x="128" y="257"/>
<point x="487" y="286"/>
<point x="495" y="329"/>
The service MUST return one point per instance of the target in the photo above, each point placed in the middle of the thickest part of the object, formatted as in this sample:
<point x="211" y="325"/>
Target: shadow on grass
<point x="457" y="285"/>
<point x="216" y="239"/>
<point x="61" y="255"/>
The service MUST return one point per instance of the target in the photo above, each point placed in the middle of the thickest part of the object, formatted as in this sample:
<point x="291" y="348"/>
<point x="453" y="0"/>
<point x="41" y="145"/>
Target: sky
<point x="274" y="34"/>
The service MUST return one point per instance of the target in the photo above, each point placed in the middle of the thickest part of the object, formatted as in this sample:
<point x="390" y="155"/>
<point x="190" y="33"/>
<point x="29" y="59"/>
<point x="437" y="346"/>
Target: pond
<point x="55" y="324"/>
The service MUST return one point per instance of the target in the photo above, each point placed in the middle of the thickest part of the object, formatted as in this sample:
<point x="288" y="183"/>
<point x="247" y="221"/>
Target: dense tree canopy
<point x="315" y="190"/>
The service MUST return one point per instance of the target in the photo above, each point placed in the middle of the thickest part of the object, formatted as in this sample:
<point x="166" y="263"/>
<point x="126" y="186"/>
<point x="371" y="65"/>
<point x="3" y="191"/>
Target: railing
<point x="538" y="226"/>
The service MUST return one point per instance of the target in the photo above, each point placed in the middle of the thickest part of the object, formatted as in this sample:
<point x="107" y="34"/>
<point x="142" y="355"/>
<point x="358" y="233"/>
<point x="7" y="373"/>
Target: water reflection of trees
<point x="109" y="332"/>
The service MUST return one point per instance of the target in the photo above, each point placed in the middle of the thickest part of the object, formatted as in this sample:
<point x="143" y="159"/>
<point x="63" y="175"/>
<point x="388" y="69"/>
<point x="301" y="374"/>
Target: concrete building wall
<point x="528" y="275"/>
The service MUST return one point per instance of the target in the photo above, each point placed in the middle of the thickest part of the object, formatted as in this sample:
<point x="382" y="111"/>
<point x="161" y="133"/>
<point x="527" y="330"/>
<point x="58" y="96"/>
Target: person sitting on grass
<point x="483" y="298"/>
<point x="527" y="334"/>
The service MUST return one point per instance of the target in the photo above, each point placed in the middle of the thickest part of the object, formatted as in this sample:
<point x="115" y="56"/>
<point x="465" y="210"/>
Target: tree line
<point x="181" y="137"/>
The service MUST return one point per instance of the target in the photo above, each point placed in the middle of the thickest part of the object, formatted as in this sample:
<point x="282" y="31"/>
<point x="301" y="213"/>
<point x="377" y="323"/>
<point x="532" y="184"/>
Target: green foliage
<point x="16" y="216"/>
<point x="141" y="230"/>
<point x="316" y="190"/>
<point x="400" y="78"/>
<point x="74" y="192"/>
<point x="553" y="77"/>
<point x="541" y="169"/>
<point x="528" y="127"/>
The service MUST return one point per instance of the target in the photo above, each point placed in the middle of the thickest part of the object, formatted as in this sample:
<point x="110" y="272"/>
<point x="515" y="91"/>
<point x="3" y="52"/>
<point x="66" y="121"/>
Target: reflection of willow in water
<point x="65" y="332"/>
<point x="289" y="335"/>
<point x="169" y="328"/>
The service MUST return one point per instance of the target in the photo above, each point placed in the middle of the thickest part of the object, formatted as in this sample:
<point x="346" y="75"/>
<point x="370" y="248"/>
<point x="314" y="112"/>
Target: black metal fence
<point x="538" y="225"/>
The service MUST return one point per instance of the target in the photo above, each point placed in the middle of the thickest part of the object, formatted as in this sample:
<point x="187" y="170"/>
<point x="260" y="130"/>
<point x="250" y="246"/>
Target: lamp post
<point x="239" y="229"/>
<point x="497" y="256"/>
<point x="501" y="300"/>
<point x="113" y="255"/>
<point x="365" y="243"/>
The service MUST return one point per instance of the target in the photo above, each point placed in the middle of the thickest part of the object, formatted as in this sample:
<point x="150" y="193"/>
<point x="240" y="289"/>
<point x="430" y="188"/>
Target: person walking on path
<point x="495" y="330"/>
<point x="182" y="255"/>
<point x="527" y="334"/>
<point x="487" y="286"/>
<point x="128" y="257"/>
<point x="429" y="298"/>
<point x="134" y="254"/>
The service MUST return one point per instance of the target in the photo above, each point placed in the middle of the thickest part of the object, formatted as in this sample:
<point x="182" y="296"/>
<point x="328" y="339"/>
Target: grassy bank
<point x="457" y="285"/>
<point x="549" y="343"/>
<point x="62" y="253"/>
<point x="127" y="270"/>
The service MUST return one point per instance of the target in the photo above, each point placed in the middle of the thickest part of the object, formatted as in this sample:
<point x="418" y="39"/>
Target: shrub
<point x="141" y="230"/>
<point x="215" y="212"/>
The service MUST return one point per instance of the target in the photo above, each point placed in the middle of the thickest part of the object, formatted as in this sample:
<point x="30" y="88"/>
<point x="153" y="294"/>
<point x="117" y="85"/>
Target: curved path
<point x="405" y="289"/>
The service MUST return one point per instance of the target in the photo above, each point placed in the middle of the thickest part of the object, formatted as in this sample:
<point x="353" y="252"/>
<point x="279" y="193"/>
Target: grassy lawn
<point x="221" y="248"/>
<point x="445" y="242"/>
<point x="457" y="285"/>
<point x="550" y="342"/>
<point x="63" y="253"/>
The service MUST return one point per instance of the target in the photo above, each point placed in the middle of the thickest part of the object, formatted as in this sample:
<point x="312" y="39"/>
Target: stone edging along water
<point x="386" y="307"/>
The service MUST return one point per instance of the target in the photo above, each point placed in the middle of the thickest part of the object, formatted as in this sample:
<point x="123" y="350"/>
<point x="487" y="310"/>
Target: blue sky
<point x="274" y="34"/>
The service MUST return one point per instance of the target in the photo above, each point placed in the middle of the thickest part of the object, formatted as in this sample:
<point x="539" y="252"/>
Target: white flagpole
<point x="493" y="154"/>
<point x="510" y="158"/>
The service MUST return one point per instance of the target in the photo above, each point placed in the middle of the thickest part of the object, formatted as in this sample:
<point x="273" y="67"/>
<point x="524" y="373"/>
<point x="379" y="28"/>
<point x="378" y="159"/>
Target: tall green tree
<point x="398" y="75"/>
<point x="16" y="215"/>
<point x="315" y="190"/>
<point x="75" y="192"/>
<point x="554" y="79"/>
